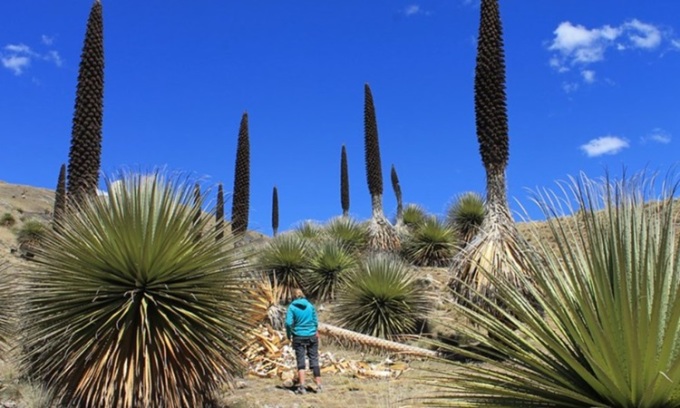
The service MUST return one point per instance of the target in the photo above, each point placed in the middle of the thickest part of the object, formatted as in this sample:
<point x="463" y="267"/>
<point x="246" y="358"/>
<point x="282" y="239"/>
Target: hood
<point x="301" y="304"/>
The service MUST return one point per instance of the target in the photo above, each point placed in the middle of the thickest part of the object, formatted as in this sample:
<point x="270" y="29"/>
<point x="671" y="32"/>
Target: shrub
<point x="382" y="299"/>
<point x="32" y="232"/>
<point x="286" y="260"/>
<point x="126" y="307"/>
<point x="353" y="236"/>
<point x="610" y="292"/>
<point x="7" y="220"/>
<point x="466" y="215"/>
<point x="432" y="243"/>
<point x="330" y="265"/>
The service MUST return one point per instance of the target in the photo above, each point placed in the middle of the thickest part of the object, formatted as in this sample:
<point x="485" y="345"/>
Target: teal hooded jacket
<point x="301" y="319"/>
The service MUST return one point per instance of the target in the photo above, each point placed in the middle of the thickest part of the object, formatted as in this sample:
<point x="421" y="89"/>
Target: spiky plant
<point x="382" y="299"/>
<point x="433" y="243"/>
<point x="219" y="213"/>
<point x="397" y="193"/>
<point x="330" y="265"/>
<point x="6" y="312"/>
<point x="466" y="216"/>
<point x="309" y="230"/>
<point x="241" y="199"/>
<point x="498" y="247"/>
<point x="382" y="235"/>
<point x="59" y="198"/>
<point x="86" y="134"/>
<point x="126" y="308"/>
<point x="350" y="233"/>
<point x="414" y="215"/>
<point x="610" y="289"/>
<point x="286" y="260"/>
<point x="275" y="211"/>
<point x="344" y="182"/>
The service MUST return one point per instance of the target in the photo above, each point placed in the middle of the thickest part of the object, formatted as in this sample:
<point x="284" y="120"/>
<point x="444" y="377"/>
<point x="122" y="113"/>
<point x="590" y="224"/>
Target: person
<point x="301" y="327"/>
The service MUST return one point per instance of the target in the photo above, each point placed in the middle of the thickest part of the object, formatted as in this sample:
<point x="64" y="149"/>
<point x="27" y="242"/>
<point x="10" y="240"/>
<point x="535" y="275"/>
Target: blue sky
<point x="591" y="85"/>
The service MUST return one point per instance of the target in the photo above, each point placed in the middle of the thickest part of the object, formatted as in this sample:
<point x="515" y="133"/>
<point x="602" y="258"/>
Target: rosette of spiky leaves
<point x="466" y="215"/>
<point x="286" y="260"/>
<point x="86" y="134"/>
<point x="31" y="233"/>
<point x="126" y="308"/>
<point x="309" y="230"/>
<point x="432" y="243"/>
<point x="414" y="215"/>
<point x="352" y="234"/>
<point x="330" y="265"/>
<point x="382" y="299"/>
<point x="6" y="312"/>
<point x="609" y="287"/>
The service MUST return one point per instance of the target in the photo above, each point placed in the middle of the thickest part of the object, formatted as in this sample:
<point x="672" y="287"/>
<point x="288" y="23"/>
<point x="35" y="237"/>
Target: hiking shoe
<point x="301" y="390"/>
<point x="319" y="389"/>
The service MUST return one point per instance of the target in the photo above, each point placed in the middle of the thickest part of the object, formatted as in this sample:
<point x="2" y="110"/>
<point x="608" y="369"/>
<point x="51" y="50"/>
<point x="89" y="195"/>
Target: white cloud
<point x="18" y="57"/>
<point x="19" y="49"/>
<point x="47" y="40"/>
<point x="54" y="57"/>
<point x="588" y="75"/>
<point x="659" y="136"/>
<point x="570" y="87"/>
<point x="413" y="10"/>
<point x="642" y="35"/>
<point x="16" y="63"/>
<point x="577" y="45"/>
<point x="604" y="145"/>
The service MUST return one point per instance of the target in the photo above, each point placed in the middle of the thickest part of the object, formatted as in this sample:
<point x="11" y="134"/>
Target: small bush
<point x="7" y="220"/>
<point x="32" y="232"/>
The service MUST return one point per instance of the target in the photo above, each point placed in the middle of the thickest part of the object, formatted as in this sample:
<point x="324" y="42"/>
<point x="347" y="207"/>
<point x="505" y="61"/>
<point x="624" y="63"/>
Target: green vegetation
<point x="609" y="290"/>
<point x="352" y="235"/>
<point x="330" y="265"/>
<point x="414" y="215"/>
<point x="466" y="216"/>
<point x="286" y="261"/>
<point x="7" y="220"/>
<point x="31" y="232"/>
<point x="432" y="243"/>
<point x="382" y="299"/>
<point x="126" y="307"/>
